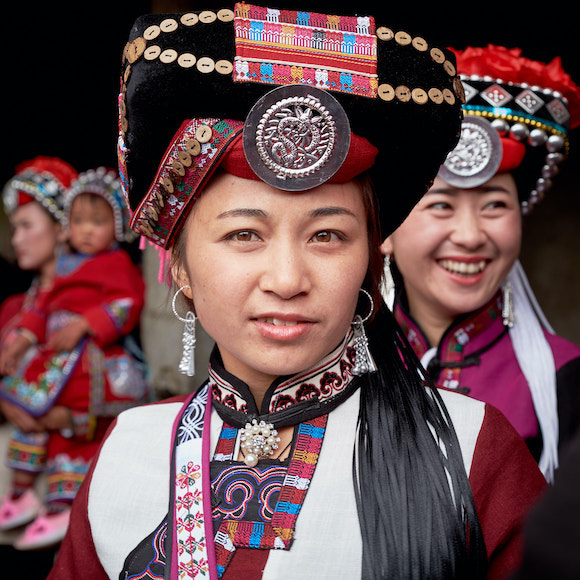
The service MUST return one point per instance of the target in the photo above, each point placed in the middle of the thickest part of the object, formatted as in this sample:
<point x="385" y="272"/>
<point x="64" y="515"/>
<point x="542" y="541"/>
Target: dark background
<point x="60" y="79"/>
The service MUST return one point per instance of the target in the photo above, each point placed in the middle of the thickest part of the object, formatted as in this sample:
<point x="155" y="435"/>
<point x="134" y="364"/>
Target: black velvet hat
<point x="353" y="94"/>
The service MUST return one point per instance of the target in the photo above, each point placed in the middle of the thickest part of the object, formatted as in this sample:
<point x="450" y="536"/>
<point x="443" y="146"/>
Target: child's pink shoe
<point x="20" y="511"/>
<point x="46" y="530"/>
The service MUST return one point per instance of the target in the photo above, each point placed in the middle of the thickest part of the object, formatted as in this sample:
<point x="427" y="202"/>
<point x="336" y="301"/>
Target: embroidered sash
<point x="191" y="533"/>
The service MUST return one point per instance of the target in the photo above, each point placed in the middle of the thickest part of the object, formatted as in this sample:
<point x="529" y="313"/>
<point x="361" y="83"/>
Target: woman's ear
<point x="181" y="278"/>
<point x="387" y="246"/>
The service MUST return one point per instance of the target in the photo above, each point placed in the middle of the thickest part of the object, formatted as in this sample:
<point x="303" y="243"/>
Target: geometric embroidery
<point x="469" y="91"/>
<point x="284" y="47"/>
<point x="529" y="101"/>
<point x="558" y="111"/>
<point x="496" y="96"/>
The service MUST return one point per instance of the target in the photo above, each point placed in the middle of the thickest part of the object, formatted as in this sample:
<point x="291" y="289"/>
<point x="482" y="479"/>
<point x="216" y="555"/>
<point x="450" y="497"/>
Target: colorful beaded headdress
<point x="351" y="95"/>
<point x="105" y="183"/>
<point x="518" y="114"/>
<point x="42" y="179"/>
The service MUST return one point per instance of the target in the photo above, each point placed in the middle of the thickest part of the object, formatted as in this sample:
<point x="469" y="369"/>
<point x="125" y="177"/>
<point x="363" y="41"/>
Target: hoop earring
<point x="388" y="283"/>
<point x="363" y="361"/>
<point x="187" y="363"/>
<point x="507" y="309"/>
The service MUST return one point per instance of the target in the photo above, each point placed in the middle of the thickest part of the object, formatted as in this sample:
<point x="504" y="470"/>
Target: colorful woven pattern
<point x="284" y="47"/>
<point x="279" y="532"/>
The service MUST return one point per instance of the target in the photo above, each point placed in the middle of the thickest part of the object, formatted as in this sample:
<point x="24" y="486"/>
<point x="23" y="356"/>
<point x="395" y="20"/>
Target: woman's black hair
<point x="416" y="510"/>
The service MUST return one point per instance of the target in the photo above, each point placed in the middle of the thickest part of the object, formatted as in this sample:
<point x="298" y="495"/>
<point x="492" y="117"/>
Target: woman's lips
<point x="467" y="271"/>
<point x="282" y="328"/>
<point x="464" y="267"/>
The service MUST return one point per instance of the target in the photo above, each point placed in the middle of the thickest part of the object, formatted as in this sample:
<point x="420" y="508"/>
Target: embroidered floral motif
<point x="38" y="396"/>
<point x="192" y="561"/>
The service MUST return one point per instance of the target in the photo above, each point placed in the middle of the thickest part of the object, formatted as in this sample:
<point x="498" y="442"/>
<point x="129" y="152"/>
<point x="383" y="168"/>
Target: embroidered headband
<point x="42" y="179"/>
<point x="105" y="183"/>
<point x="295" y="99"/>
<point x="518" y="114"/>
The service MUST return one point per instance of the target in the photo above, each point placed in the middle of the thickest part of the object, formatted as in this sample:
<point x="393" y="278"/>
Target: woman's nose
<point x="286" y="272"/>
<point x="468" y="230"/>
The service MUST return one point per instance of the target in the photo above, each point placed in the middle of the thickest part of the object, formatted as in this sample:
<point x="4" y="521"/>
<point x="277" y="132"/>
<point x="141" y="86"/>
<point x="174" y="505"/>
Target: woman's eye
<point x="440" y="205"/>
<point x="325" y="236"/>
<point x="243" y="236"/>
<point x="497" y="204"/>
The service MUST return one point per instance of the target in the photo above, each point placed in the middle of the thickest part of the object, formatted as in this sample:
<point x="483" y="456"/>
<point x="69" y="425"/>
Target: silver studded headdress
<point x="105" y="183"/>
<point x="517" y="122"/>
<point x="42" y="179"/>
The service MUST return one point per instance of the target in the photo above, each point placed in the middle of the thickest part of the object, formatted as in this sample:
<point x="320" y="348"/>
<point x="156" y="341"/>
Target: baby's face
<point x="91" y="224"/>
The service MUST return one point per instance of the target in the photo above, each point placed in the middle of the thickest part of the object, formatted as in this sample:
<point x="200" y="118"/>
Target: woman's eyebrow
<point x="480" y="189"/>
<point x="243" y="212"/>
<point x="252" y="212"/>
<point x="333" y="210"/>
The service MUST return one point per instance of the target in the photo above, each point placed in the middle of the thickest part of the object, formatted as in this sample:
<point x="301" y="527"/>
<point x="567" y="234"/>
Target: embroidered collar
<point x="451" y="355"/>
<point x="288" y="400"/>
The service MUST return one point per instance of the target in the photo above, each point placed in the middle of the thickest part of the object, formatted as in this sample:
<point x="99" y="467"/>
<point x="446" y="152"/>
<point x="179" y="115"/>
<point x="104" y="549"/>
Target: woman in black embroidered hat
<point x="250" y="140"/>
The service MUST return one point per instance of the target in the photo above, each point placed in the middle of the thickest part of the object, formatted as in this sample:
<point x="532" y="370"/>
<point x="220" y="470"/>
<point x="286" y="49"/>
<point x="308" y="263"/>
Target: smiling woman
<point x="317" y="448"/>
<point x="463" y="298"/>
<point x="469" y="241"/>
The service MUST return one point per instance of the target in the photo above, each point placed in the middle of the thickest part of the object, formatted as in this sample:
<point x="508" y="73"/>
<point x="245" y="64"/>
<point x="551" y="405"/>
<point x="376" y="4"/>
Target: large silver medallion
<point x="296" y="137"/>
<point x="477" y="156"/>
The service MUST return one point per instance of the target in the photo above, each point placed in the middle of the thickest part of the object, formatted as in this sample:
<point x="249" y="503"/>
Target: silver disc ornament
<point x="296" y="137"/>
<point x="477" y="156"/>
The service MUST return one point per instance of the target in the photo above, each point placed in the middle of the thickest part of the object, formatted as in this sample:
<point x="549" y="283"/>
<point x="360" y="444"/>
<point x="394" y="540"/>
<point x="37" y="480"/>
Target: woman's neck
<point x="46" y="273"/>
<point x="431" y="323"/>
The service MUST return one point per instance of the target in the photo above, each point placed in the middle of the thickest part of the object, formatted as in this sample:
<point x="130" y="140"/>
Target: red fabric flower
<point x="507" y="64"/>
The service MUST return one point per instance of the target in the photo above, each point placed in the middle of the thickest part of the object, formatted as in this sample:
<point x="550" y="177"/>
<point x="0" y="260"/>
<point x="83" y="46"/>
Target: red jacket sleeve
<point x="122" y="301"/>
<point x="506" y="483"/>
<point x="34" y="318"/>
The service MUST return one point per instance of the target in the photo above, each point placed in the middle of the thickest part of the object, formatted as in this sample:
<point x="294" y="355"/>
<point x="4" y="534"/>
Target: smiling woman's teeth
<point x="277" y="322"/>
<point x="466" y="268"/>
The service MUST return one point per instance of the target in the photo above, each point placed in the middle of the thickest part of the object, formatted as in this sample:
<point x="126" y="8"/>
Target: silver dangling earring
<point x="187" y="364"/>
<point x="507" y="309"/>
<point x="388" y="284"/>
<point x="363" y="360"/>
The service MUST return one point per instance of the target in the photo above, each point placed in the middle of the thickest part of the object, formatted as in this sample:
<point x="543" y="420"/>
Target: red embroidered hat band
<point x="292" y="98"/>
<point x="518" y="114"/>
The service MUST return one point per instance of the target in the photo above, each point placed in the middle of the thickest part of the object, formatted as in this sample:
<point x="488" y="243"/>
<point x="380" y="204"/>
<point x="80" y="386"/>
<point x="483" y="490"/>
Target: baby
<point x="68" y="373"/>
